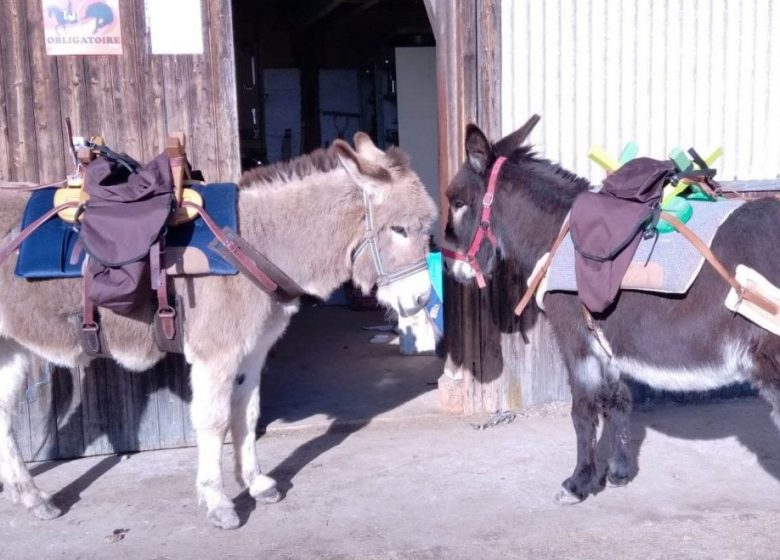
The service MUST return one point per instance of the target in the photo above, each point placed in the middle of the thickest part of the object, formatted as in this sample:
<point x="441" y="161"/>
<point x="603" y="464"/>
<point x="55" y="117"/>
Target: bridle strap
<point x="369" y="237"/>
<point x="369" y="240"/>
<point x="484" y="228"/>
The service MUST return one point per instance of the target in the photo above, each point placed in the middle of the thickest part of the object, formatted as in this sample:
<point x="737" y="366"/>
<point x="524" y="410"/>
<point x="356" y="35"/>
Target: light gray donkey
<point x="324" y="218"/>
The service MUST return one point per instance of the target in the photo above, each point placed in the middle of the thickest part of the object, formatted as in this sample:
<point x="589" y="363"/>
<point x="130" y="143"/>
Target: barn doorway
<point x="309" y="72"/>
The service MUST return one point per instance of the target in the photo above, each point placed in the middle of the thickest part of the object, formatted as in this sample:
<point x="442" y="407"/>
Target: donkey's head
<point x="505" y="203"/>
<point x="391" y="246"/>
<point x="471" y="227"/>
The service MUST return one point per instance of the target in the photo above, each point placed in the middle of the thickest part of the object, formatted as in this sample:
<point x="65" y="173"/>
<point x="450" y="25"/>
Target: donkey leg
<point x="617" y="410"/>
<point x="246" y="411"/>
<point x="212" y="385"/>
<point x="14" y="362"/>
<point x="243" y="425"/>
<point x="586" y="381"/>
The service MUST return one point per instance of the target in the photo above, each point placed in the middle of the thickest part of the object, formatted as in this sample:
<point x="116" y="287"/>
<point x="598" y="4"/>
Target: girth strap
<point x="260" y="270"/>
<point x="705" y="251"/>
<point x="536" y="280"/>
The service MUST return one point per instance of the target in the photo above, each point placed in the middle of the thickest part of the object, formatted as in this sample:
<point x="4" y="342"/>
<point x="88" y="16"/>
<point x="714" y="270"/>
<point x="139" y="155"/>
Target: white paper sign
<point x="175" y="26"/>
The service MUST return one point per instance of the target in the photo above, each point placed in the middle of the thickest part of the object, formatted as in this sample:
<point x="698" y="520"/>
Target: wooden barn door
<point x="134" y="100"/>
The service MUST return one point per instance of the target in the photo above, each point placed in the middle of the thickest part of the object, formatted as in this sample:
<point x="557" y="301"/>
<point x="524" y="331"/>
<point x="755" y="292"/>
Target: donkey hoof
<point x="617" y="481"/>
<point x="224" y="518"/>
<point x="45" y="511"/>
<point x="268" y="496"/>
<point x="566" y="497"/>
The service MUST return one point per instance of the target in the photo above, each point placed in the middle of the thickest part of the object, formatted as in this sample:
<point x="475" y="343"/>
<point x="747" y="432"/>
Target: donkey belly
<point x="45" y="317"/>
<point x="680" y="344"/>
<point x="733" y="365"/>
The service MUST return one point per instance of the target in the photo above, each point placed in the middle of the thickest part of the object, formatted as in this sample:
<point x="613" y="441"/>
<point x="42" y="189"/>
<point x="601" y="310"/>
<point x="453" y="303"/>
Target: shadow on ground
<point x="751" y="425"/>
<point x="323" y="374"/>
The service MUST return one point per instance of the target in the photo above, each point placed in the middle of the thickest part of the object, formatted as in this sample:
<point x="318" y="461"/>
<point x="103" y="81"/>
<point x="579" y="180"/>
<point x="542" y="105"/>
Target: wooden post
<point x="468" y="72"/>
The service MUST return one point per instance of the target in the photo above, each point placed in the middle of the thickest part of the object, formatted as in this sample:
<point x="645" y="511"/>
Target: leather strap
<point x="166" y="314"/>
<point x="700" y="246"/>
<point x="536" y="280"/>
<point x="284" y="287"/>
<point x="31" y="188"/>
<point x="14" y="244"/>
<point x="91" y="335"/>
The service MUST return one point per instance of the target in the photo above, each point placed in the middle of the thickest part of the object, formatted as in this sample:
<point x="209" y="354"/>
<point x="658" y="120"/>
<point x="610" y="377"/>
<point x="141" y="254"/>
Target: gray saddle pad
<point x="668" y="265"/>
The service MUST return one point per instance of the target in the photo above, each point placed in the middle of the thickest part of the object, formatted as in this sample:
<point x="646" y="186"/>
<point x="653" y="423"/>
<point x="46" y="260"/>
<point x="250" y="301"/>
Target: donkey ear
<point x="477" y="148"/>
<point x="366" y="147"/>
<point x="368" y="175"/>
<point x="510" y="143"/>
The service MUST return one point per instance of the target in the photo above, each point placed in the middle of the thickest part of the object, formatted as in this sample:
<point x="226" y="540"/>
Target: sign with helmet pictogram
<point x="73" y="27"/>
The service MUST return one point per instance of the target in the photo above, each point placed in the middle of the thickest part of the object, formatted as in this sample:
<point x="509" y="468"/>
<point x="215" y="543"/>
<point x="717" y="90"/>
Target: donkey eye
<point x="400" y="230"/>
<point x="458" y="203"/>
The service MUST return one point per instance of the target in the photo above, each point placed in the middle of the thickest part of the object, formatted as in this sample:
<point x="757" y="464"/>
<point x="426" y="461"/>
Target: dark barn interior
<point x="339" y="59"/>
<point x="308" y="72"/>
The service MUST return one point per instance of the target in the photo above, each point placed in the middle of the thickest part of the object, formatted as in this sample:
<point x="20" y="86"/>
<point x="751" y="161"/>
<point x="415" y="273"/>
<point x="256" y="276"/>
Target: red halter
<point x="483" y="230"/>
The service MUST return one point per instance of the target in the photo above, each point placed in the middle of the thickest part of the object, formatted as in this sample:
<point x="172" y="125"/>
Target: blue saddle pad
<point x="47" y="252"/>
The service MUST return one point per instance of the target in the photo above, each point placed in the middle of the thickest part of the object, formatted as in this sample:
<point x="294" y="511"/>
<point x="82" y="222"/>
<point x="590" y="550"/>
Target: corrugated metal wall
<point x="664" y="73"/>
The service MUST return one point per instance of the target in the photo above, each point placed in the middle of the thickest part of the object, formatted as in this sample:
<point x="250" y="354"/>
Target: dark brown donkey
<point x="671" y="342"/>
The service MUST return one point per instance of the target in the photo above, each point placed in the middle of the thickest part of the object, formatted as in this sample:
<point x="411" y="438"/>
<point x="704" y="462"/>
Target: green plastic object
<point x="696" y="193"/>
<point x="629" y="152"/>
<point x="680" y="159"/>
<point x="677" y="207"/>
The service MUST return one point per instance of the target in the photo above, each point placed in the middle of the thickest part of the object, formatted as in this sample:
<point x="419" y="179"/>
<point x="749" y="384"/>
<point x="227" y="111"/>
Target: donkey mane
<point x="320" y="160"/>
<point x="544" y="180"/>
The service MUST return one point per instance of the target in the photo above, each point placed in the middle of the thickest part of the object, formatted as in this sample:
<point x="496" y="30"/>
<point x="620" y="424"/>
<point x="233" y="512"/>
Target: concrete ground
<point x="372" y="471"/>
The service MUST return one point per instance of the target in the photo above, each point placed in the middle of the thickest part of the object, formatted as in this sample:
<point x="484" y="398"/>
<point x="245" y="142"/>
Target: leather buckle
<point x="166" y="312"/>
<point x="487" y="200"/>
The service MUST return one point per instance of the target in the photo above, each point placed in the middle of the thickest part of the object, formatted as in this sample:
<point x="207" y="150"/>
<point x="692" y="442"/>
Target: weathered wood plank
<point x="142" y="399"/>
<point x="151" y="90"/>
<point x="443" y="104"/>
<point x="5" y="116"/>
<point x="223" y="85"/>
<point x="100" y="98"/>
<point x="40" y="406"/>
<point x="465" y="64"/>
<point x="124" y="83"/>
<point x="489" y="67"/>
<point x="176" y="79"/>
<point x="48" y="118"/>
<point x="22" y="141"/>
<point x="122" y="430"/>
<point x="495" y="369"/>
<point x="71" y="77"/>
<point x="202" y="148"/>
<point x="21" y="426"/>
<point x="95" y="408"/>
<point x="170" y="409"/>
<point x="67" y="407"/>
